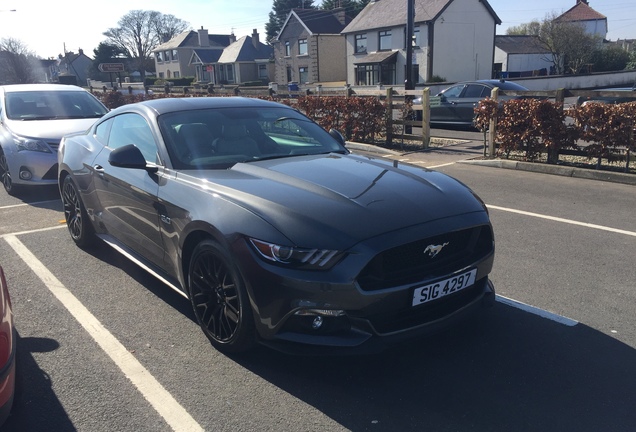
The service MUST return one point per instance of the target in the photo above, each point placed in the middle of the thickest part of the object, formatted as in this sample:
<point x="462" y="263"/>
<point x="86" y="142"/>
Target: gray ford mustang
<point x="272" y="229"/>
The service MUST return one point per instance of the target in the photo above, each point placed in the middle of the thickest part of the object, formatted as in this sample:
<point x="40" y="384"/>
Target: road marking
<point x="33" y="231"/>
<point x="442" y="165"/>
<point x="162" y="401"/>
<point x="536" y="311"/>
<point x="568" y="221"/>
<point x="27" y="204"/>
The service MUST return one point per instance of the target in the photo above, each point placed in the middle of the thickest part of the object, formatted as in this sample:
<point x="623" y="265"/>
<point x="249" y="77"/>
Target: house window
<point x="262" y="71"/>
<point x="377" y="73"/>
<point x="289" y="74"/>
<point x="229" y="73"/>
<point x="176" y="74"/>
<point x="385" y="40"/>
<point x="361" y="43"/>
<point x="416" y="36"/>
<point x="166" y="55"/>
<point x="159" y="56"/>
<point x="303" y="75"/>
<point x="175" y="54"/>
<point x="302" y="46"/>
<point x="287" y="49"/>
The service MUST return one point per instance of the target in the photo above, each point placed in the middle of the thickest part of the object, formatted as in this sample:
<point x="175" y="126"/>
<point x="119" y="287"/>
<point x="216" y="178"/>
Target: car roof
<point x="166" y="105"/>
<point x="11" y="88"/>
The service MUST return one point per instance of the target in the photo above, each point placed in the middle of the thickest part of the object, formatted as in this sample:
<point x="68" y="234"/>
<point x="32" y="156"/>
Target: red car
<point x="7" y="351"/>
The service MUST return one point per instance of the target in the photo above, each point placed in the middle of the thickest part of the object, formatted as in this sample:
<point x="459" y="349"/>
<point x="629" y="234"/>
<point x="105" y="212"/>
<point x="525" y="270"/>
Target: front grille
<point x="413" y="316"/>
<point x="53" y="144"/>
<point x="408" y="263"/>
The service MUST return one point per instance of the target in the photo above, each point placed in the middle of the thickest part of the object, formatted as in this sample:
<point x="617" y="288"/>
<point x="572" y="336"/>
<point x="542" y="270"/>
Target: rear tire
<point x="219" y="299"/>
<point x="79" y="226"/>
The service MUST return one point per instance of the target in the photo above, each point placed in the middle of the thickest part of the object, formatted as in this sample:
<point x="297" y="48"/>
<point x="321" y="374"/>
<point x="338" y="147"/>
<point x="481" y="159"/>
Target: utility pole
<point x="410" y="17"/>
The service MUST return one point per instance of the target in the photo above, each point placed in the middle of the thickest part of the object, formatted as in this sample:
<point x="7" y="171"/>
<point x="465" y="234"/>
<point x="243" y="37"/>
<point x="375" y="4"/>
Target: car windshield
<point x="52" y="105"/>
<point x="220" y="137"/>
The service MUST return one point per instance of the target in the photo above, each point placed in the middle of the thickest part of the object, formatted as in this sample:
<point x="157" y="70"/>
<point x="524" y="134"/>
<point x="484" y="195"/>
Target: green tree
<point x="609" y="59"/>
<point x="105" y="53"/>
<point x="278" y="15"/>
<point x="631" y="64"/>
<point x="531" y="28"/>
<point x="140" y="31"/>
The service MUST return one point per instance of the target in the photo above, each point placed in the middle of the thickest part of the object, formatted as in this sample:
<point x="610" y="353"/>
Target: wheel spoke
<point x="214" y="297"/>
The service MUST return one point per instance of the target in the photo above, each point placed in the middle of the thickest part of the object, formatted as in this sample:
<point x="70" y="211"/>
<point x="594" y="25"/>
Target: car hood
<point x="49" y="129"/>
<point x="341" y="198"/>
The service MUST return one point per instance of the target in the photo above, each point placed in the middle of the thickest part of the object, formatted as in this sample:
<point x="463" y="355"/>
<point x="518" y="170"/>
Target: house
<point x="172" y="58"/>
<point x="592" y="21"/>
<point x="309" y="47"/>
<point x="453" y="39"/>
<point x="69" y="68"/>
<point x="245" y="60"/>
<point x="521" y="56"/>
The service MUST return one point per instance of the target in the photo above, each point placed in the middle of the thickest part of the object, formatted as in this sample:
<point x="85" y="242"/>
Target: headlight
<point x="316" y="259"/>
<point x="30" y="144"/>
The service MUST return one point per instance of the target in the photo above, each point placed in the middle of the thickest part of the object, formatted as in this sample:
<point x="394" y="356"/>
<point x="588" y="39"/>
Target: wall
<point x="464" y="40"/>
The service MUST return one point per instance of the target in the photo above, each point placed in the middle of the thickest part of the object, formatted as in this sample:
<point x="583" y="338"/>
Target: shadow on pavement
<point x="36" y="406"/>
<point x="510" y="371"/>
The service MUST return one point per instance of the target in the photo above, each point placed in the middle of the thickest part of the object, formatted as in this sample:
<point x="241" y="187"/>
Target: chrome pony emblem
<point x="433" y="250"/>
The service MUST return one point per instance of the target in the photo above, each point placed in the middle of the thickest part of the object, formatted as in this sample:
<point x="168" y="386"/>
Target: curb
<point x="556" y="170"/>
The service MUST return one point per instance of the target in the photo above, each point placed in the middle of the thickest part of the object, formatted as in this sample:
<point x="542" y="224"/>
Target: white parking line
<point x="162" y="401"/>
<point x="536" y="311"/>
<point x="27" y="204"/>
<point x="568" y="221"/>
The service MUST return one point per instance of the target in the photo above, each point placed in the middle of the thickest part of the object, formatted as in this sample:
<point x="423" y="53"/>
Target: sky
<point x="49" y="28"/>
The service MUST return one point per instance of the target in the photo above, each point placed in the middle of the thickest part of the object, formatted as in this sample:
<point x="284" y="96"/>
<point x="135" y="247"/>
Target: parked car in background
<point x="455" y="105"/>
<point x="33" y="119"/>
<point x="272" y="229"/>
<point x="7" y="351"/>
<point x="617" y="97"/>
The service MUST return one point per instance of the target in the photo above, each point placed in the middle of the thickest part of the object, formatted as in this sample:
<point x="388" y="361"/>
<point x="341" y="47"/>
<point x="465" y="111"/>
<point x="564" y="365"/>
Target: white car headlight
<point x="31" y="144"/>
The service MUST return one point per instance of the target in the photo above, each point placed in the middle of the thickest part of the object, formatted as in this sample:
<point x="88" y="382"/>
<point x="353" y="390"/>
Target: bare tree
<point x="18" y="65"/>
<point x="570" y="46"/>
<point x="140" y="31"/>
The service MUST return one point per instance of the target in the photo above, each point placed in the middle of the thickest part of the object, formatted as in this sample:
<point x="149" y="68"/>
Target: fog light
<point x="317" y="323"/>
<point x="25" y="174"/>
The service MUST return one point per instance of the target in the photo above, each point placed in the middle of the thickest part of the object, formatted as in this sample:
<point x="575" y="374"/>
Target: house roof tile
<point x="520" y="44"/>
<point x="581" y="12"/>
<point x="322" y="21"/>
<point x="391" y="13"/>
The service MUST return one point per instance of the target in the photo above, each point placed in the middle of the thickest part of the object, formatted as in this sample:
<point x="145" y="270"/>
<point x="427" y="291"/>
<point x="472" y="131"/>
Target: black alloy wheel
<point x="75" y="215"/>
<point x="5" y="175"/>
<point x="219" y="299"/>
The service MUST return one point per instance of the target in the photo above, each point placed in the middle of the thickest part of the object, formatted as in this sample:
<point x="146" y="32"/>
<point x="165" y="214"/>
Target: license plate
<point x="444" y="287"/>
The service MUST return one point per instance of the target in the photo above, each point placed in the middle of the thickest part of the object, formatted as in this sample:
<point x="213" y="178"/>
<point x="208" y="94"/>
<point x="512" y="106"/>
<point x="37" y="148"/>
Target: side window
<point x="474" y="91"/>
<point x="454" y="92"/>
<point x="102" y="130"/>
<point x="133" y="129"/>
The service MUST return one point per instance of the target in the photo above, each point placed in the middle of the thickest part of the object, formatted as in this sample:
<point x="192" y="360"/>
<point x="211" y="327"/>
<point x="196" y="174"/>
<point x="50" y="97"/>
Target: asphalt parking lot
<point x="105" y="347"/>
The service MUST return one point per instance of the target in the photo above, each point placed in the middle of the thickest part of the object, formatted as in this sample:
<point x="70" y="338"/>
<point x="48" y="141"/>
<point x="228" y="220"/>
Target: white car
<point x="33" y="119"/>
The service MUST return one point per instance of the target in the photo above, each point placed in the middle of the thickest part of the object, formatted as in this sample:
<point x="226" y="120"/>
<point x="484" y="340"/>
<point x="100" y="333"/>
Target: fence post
<point x="492" y="130"/>
<point x="426" y="117"/>
<point x="389" y="114"/>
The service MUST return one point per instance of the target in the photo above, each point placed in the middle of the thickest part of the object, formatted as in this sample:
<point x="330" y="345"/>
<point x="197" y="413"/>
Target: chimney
<point x="232" y="38"/>
<point x="341" y="15"/>
<point x="255" y="40"/>
<point x="204" y="40"/>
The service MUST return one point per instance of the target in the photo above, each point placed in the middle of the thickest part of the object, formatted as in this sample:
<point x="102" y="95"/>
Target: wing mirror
<point x="129" y="156"/>
<point x="337" y="136"/>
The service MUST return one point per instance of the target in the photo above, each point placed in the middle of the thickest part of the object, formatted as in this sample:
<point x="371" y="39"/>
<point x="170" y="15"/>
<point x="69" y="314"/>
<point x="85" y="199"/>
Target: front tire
<point x="79" y="226"/>
<point x="219" y="299"/>
<point x="5" y="176"/>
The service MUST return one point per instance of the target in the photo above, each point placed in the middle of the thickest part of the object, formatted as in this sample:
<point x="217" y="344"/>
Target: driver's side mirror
<point x="129" y="156"/>
<point x="337" y="136"/>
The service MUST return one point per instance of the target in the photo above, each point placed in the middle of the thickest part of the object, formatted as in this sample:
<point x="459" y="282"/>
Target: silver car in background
<point x="33" y="119"/>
